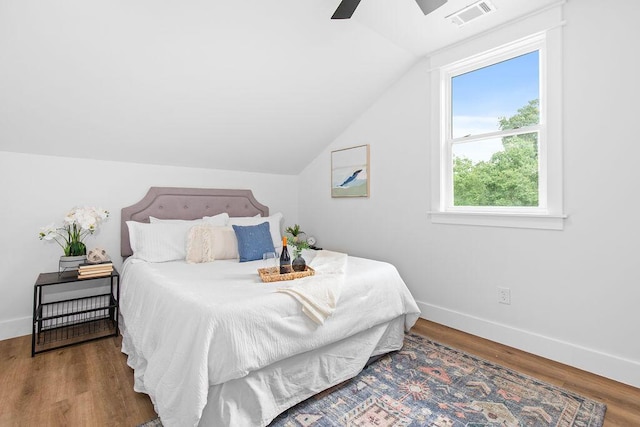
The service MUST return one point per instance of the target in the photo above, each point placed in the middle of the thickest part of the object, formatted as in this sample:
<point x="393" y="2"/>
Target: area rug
<point x="429" y="384"/>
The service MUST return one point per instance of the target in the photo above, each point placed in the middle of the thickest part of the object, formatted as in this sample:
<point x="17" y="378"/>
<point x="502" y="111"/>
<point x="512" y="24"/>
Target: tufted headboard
<point x="187" y="203"/>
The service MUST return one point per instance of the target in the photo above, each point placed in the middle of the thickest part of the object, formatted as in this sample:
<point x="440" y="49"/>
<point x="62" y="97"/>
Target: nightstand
<point x="61" y="322"/>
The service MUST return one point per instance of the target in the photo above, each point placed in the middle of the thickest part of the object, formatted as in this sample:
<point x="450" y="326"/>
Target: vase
<point x="298" y="264"/>
<point x="68" y="263"/>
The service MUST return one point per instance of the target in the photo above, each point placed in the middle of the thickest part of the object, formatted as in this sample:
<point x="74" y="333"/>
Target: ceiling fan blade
<point x="345" y="9"/>
<point x="429" y="6"/>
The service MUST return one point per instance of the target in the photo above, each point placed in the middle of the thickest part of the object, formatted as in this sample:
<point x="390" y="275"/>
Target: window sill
<point x="511" y="220"/>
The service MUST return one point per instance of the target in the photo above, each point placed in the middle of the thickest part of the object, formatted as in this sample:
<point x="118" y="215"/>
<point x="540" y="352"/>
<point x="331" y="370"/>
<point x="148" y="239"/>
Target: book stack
<point x="89" y="271"/>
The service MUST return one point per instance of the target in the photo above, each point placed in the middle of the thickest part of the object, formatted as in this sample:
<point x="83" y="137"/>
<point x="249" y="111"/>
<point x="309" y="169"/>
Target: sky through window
<point x="482" y="96"/>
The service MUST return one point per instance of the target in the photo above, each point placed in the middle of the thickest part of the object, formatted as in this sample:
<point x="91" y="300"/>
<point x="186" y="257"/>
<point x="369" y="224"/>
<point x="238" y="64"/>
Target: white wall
<point x="574" y="292"/>
<point x="37" y="190"/>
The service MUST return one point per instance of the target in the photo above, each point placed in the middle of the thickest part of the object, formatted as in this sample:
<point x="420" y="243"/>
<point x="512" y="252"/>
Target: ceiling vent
<point x="471" y="12"/>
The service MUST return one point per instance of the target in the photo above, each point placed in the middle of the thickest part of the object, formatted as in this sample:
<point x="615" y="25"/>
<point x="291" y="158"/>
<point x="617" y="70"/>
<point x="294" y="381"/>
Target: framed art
<point x="350" y="172"/>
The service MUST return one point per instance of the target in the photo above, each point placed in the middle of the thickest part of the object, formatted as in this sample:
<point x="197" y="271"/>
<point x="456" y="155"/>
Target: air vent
<point x="471" y="12"/>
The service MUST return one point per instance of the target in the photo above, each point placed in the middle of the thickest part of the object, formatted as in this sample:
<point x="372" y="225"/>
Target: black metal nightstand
<point x="63" y="322"/>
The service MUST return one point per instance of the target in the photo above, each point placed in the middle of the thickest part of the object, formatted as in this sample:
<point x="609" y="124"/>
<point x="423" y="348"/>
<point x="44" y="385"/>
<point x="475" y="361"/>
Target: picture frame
<point x="350" y="174"/>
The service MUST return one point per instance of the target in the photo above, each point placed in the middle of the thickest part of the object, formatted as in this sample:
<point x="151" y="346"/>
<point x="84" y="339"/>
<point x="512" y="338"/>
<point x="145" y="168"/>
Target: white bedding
<point x="190" y="329"/>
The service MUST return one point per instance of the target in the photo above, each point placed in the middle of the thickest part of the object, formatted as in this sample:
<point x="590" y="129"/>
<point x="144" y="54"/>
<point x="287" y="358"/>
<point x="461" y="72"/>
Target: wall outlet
<point x="504" y="295"/>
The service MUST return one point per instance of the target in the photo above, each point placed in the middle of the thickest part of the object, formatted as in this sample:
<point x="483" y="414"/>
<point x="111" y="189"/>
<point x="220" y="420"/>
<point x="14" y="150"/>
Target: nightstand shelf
<point x="63" y="322"/>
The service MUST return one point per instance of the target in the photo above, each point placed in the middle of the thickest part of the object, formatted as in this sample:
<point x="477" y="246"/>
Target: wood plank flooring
<point x="91" y="384"/>
<point x="85" y="385"/>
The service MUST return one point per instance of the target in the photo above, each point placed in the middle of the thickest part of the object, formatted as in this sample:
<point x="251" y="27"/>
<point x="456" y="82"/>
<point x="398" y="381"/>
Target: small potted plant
<point x="78" y="224"/>
<point x="299" y="242"/>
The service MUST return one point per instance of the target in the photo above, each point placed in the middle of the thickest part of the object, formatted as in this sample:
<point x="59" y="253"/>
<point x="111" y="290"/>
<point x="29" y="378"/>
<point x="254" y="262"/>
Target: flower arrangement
<point x="78" y="224"/>
<point x="297" y="239"/>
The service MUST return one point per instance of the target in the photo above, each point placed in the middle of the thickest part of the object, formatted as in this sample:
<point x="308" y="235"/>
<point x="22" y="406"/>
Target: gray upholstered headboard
<point x="187" y="203"/>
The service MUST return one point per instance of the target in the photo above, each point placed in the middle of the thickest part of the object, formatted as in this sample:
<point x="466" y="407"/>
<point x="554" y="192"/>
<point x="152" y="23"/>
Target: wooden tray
<point x="273" y="274"/>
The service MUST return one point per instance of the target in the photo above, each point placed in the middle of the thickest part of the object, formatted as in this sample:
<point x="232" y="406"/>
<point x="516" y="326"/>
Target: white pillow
<point x="158" y="242"/>
<point x="154" y="220"/>
<point x="206" y="243"/>
<point x="219" y="220"/>
<point x="274" y="226"/>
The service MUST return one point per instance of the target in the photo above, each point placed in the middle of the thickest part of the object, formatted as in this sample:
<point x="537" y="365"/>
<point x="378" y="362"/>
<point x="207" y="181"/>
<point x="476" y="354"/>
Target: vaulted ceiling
<point x="250" y="85"/>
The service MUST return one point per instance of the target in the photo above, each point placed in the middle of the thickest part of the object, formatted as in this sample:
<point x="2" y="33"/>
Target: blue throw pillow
<point x="253" y="241"/>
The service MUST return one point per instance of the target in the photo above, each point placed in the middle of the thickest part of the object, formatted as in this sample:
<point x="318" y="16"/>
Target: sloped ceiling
<point x="248" y="85"/>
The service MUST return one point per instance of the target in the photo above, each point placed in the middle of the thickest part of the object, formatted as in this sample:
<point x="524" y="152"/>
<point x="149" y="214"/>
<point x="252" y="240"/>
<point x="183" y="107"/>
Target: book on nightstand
<point x="86" y="271"/>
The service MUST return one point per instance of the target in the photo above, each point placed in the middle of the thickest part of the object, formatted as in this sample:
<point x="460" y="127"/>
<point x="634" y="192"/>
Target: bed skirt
<point x="262" y="395"/>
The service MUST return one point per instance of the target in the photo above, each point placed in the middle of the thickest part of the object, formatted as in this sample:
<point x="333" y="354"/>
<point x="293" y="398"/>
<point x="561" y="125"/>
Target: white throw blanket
<point x="319" y="294"/>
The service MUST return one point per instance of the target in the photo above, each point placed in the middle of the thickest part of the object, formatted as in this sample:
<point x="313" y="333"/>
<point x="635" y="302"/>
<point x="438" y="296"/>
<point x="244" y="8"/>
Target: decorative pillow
<point x="253" y="241"/>
<point x="200" y="245"/>
<point x="225" y="243"/>
<point x="158" y="242"/>
<point x="206" y="243"/>
<point x="274" y="226"/>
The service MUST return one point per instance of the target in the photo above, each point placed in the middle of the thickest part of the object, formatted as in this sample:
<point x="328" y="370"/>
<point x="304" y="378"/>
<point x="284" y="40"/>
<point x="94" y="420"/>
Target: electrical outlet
<point x="504" y="295"/>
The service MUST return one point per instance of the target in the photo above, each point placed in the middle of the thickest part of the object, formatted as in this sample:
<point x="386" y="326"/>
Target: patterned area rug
<point x="429" y="384"/>
<point x="153" y="423"/>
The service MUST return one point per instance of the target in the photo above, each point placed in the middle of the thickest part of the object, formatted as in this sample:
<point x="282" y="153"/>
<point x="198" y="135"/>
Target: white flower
<point x="48" y="232"/>
<point x="70" y="218"/>
<point x="101" y="213"/>
<point x="86" y="220"/>
<point x="78" y="223"/>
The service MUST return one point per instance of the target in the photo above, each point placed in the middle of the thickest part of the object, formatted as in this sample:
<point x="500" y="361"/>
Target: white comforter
<point x="194" y="326"/>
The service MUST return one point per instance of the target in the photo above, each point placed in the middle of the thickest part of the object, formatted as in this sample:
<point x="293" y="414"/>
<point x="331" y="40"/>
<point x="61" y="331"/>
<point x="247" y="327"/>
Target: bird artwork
<point x="351" y="178"/>
<point x="350" y="172"/>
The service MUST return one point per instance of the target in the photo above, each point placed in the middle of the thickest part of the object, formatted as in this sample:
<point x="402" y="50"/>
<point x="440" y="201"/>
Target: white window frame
<point x="471" y="56"/>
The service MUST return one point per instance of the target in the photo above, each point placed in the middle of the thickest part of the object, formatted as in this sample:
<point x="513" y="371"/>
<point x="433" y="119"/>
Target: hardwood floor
<point x="85" y="385"/>
<point x="91" y="384"/>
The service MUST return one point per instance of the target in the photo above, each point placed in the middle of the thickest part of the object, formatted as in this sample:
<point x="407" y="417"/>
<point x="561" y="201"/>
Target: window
<point x="498" y="137"/>
<point x="492" y="132"/>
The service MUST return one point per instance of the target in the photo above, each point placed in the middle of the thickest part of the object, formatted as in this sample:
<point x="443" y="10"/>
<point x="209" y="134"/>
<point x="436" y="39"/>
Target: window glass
<point x="496" y="172"/>
<point x="482" y="97"/>
<point x="495" y="133"/>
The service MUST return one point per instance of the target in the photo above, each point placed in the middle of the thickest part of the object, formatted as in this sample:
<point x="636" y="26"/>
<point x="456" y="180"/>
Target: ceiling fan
<point x="347" y="7"/>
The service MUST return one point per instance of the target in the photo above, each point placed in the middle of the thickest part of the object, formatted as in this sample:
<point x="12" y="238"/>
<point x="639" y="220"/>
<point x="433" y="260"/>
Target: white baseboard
<point x="15" y="328"/>
<point x="607" y="365"/>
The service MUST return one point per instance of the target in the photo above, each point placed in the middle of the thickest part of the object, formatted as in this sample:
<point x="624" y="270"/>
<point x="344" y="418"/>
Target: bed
<point x="212" y="345"/>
